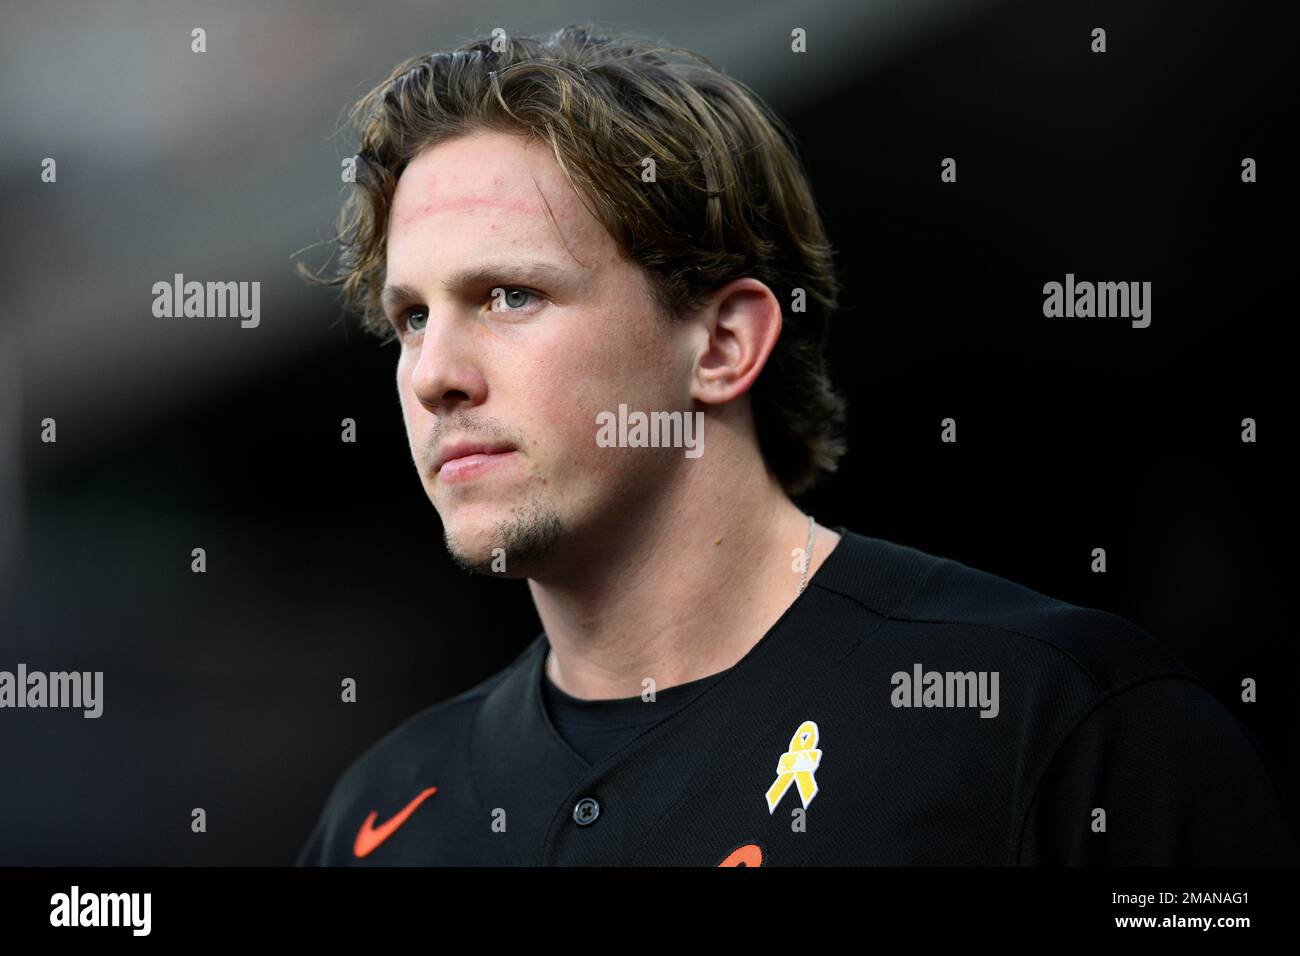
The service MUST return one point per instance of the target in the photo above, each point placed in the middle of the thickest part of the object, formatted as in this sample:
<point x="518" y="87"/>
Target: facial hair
<point x="527" y="536"/>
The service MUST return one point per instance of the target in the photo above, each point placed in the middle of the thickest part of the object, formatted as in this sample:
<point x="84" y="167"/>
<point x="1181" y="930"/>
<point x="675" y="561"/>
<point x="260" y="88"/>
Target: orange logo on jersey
<point x="751" y="854"/>
<point x="369" y="836"/>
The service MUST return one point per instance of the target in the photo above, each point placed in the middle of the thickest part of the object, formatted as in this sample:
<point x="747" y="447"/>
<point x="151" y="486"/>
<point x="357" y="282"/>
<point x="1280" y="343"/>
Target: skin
<point x="641" y="562"/>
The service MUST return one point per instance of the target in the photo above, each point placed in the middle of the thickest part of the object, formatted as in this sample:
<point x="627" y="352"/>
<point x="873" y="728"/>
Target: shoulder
<point x="941" y="605"/>
<point x="1160" y="773"/>
<point x="1092" y="711"/>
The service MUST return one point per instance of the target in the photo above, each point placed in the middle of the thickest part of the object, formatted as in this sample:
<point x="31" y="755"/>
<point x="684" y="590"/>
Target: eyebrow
<point x="500" y="273"/>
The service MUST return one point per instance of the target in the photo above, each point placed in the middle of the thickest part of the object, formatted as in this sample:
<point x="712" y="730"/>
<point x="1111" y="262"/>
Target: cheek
<point x="637" y="373"/>
<point x="556" y="400"/>
<point x="563" y="399"/>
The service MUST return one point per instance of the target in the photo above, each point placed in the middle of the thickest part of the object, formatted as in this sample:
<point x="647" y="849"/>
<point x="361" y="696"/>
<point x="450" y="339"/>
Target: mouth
<point x="461" y="462"/>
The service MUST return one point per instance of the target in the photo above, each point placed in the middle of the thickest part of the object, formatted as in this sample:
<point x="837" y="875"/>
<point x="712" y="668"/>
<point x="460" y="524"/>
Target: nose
<point x="445" y="374"/>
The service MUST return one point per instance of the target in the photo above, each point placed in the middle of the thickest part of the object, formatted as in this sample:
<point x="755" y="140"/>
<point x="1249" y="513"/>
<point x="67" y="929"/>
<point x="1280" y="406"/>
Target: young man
<point x="610" y="288"/>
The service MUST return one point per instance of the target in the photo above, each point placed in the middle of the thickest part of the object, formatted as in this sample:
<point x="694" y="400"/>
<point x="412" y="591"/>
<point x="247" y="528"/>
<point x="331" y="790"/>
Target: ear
<point x="742" y="322"/>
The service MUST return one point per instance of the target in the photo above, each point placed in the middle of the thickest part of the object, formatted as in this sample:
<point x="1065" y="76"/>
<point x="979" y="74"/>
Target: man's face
<point x="570" y="332"/>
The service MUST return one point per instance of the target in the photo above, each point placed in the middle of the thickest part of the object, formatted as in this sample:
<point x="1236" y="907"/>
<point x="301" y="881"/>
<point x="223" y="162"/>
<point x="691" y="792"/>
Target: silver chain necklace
<point x="807" y="555"/>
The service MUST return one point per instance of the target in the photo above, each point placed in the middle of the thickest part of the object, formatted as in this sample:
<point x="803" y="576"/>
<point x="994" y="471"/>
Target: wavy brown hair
<point x="730" y="199"/>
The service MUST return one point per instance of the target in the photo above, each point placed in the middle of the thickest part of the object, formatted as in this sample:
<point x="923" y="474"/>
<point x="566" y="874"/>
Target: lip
<point x="459" y="449"/>
<point x="462" y="459"/>
<point x="471" y="466"/>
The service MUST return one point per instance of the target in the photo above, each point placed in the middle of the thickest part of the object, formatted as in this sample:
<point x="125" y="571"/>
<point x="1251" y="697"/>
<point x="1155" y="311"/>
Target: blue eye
<point x="504" y="299"/>
<point x="507" y="299"/>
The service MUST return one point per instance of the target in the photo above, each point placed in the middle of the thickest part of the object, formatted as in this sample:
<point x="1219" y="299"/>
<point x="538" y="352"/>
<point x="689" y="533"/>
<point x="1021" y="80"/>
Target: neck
<point x="678" y="591"/>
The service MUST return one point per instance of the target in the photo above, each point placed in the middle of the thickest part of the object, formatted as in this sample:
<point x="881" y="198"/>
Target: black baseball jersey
<point x="905" y="709"/>
<point x="596" y="728"/>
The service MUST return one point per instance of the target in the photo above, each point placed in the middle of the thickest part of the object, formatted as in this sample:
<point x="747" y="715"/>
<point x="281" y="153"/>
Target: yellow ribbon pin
<point x="797" y="766"/>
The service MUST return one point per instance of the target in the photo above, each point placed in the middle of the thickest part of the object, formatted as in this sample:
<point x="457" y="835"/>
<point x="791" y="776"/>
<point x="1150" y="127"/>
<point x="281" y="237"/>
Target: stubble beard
<point x="527" y="536"/>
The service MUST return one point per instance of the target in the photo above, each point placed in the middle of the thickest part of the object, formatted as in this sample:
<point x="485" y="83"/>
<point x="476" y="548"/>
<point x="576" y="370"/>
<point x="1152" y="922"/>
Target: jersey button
<point x="585" y="811"/>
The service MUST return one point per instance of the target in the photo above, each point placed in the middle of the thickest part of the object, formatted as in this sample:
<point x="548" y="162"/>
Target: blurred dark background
<point x="325" y="559"/>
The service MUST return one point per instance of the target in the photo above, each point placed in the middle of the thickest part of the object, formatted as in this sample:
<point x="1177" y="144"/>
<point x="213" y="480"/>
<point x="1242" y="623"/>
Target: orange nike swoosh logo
<point x="370" y="836"/>
<point x="748" y="855"/>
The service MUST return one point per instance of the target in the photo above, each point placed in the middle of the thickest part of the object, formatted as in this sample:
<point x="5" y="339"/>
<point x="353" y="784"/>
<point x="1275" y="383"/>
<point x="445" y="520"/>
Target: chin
<point x="470" y="545"/>
<point x="507" y="543"/>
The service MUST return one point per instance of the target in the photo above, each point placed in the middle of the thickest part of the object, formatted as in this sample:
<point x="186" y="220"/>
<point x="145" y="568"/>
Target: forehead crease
<point x="445" y="204"/>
